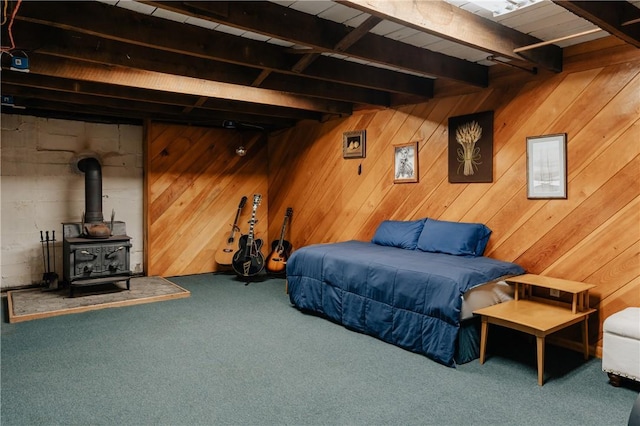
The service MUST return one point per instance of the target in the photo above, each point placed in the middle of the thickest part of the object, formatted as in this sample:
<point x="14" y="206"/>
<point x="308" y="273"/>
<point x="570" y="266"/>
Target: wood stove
<point x="91" y="261"/>
<point x="95" y="252"/>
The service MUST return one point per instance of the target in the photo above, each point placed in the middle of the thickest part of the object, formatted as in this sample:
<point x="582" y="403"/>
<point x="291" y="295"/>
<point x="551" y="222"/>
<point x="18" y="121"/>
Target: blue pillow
<point x="396" y="233"/>
<point x="457" y="238"/>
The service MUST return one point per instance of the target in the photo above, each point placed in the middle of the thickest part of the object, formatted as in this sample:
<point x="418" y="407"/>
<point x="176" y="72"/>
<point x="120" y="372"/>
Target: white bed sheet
<point x="485" y="295"/>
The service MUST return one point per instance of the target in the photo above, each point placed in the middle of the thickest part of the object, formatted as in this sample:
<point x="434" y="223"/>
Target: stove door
<point x="86" y="261"/>
<point x="115" y="258"/>
<point x="98" y="259"/>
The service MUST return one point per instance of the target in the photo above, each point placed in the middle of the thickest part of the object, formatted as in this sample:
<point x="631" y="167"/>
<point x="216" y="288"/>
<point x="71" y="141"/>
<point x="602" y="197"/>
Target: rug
<point x="31" y="304"/>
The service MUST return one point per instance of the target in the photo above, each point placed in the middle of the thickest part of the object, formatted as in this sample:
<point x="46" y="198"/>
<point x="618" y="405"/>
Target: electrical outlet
<point x="554" y="292"/>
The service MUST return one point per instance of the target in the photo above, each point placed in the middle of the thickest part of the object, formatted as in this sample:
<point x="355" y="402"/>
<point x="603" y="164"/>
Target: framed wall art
<point x="354" y="144"/>
<point x="405" y="162"/>
<point x="547" y="166"/>
<point x="471" y="148"/>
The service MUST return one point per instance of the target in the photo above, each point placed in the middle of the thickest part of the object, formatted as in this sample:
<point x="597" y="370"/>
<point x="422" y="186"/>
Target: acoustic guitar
<point x="224" y="254"/>
<point x="249" y="260"/>
<point x="280" y="249"/>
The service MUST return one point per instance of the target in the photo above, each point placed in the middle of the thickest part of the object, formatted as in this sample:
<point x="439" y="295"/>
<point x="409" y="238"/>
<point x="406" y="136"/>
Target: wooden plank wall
<point x="194" y="182"/>
<point x="593" y="236"/>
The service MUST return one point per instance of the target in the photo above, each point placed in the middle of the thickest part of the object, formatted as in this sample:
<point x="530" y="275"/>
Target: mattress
<point x="409" y="298"/>
<point x="484" y="295"/>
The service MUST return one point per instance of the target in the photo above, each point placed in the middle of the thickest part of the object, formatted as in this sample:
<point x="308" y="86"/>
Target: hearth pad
<point x="31" y="304"/>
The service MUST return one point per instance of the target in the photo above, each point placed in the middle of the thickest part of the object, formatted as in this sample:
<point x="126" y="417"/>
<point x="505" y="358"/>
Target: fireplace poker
<point x="48" y="256"/>
<point x="44" y="259"/>
<point x="53" y="238"/>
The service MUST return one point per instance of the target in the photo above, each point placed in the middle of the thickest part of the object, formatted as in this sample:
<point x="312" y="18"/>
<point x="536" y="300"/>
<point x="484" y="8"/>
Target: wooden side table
<point x="538" y="317"/>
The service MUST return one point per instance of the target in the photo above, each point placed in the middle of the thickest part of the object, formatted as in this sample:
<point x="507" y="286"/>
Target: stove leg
<point x="128" y="286"/>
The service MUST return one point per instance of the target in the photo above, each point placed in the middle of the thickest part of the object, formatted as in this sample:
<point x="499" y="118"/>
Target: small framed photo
<point x="547" y="166"/>
<point x="354" y="144"/>
<point x="405" y="163"/>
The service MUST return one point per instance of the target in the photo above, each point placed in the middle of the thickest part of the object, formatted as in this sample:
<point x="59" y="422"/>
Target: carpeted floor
<point x="30" y="304"/>
<point x="238" y="354"/>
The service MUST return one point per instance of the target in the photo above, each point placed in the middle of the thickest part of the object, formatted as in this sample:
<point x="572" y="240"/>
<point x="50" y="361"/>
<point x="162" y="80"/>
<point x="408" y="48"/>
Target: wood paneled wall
<point x="194" y="182"/>
<point x="592" y="236"/>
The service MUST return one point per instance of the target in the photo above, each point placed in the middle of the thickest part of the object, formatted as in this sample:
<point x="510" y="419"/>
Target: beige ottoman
<point x="621" y="345"/>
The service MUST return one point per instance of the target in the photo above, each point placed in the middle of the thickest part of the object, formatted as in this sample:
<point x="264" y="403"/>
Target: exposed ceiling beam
<point x="97" y="19"/>
<point x="297" y="27"/>
<point x="103" y="90"/>
<point x="128" y="77"/>
<point x="70" y="44"/>
<point x="447" y="21"/>
<point x="619" y="18"/>
<point x="348" y="40"/>
<point x="68" y="107"/>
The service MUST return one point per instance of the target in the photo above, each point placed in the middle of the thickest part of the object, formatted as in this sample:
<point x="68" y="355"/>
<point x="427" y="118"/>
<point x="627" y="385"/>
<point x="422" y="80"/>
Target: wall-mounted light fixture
<point x="241" y="151"/>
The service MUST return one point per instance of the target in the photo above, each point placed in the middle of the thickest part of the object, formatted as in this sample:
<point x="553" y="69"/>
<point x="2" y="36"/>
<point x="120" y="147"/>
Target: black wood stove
<point x="95" y="252"/>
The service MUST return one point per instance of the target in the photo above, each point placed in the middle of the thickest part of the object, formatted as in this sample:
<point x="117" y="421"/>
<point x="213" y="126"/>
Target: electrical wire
<point x="8" y="49"/>
<point x="4" y="12"/>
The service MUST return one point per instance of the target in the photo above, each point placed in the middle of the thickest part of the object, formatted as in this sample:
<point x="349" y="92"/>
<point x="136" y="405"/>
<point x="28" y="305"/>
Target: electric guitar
<point x="280" y="249"/>
<point x="224" y="254"/>
<point x="249" y="260"/>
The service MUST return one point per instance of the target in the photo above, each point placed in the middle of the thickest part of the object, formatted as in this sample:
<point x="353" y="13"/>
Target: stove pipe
<point x="92" y="189"/>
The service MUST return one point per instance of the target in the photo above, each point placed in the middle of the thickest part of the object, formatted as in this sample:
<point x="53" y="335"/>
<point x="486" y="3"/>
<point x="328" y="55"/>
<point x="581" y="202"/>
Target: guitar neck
<point x="252" y="223"/>
<point x="284" y="226"/>
<point x="234" y="228"/>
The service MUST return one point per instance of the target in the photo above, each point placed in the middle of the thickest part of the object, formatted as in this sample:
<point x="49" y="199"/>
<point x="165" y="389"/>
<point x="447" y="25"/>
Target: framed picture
<point x="471" y="148"/>
<point x="547" y="166"/>
<point x="405" y="163"/>
<point x="354" y="144"/>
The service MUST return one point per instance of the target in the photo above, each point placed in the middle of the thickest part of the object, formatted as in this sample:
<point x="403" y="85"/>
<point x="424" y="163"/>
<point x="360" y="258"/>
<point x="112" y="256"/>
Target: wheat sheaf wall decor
<point x="471" y="148"/>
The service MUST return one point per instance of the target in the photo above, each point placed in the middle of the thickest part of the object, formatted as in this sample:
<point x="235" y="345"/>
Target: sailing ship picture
<point x="546" y="166"/>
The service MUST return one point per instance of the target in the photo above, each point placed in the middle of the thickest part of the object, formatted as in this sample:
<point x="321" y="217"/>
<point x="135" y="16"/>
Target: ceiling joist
<point x="157" y="33"/>
<point x="287" y="24"/>
<point x="619" y="18"/>
<point x="103" y="90"/>
<point x="72" y="45"/>
<point x="272" y="63"/>
<point x="151" y="80"/>
<point x="452" y="23"/>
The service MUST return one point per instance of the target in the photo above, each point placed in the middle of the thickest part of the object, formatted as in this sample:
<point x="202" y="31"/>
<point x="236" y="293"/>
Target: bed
<point x="406" y="286"/>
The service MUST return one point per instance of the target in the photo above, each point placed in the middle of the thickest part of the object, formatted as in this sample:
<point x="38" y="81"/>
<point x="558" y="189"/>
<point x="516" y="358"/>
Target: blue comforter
<point x="409" y="298"/>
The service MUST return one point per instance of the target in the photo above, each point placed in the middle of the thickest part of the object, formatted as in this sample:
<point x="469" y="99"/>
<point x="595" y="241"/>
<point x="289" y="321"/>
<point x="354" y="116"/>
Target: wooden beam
<point x="285" y="23"/>
<point x="40" y="104"/>
<point x="139" y="107"/>
<point x="447" y="21"/>
<point x="348" y="40"/>
<point x="97" y="19"/>
<point x="357" y="33"/>
<point x="84" y="71"/>
<point x="201" y="100"/>
<point x="615" y="17"/>
<point x="165" y="98"/>
<point x="72" y="45"/>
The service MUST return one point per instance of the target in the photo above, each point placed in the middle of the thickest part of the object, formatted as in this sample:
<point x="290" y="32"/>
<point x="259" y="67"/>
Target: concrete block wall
<point x="41" y="187"/>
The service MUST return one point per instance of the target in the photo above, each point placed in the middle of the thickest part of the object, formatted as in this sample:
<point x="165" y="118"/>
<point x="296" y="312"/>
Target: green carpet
<point x="236" y="354"/>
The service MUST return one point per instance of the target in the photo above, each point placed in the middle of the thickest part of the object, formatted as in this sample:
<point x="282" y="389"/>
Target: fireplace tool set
<point x="49" y="277"/>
